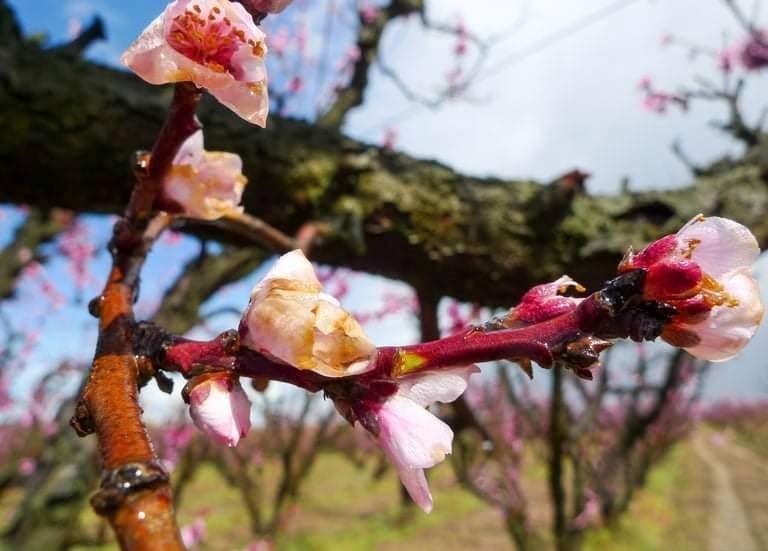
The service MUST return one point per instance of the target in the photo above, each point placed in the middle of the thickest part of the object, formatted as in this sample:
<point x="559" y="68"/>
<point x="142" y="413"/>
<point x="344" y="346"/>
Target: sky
<point x="558" y="91"/>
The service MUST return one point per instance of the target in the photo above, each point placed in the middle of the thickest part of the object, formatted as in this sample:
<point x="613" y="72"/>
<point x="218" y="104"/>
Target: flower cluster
<point x="750" y="53"/>
<point x="658" y="101"/>
<point x="701" y="275"/>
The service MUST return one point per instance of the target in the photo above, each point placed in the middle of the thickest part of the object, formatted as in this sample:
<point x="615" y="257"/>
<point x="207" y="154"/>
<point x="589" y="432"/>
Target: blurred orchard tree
<point x="72" y="124"/>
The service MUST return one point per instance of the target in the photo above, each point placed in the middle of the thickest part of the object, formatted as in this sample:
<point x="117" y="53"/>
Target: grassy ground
<point x="344" y="509"/>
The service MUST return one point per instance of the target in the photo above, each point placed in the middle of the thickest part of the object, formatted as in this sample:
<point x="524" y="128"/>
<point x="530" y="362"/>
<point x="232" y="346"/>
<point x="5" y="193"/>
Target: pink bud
<point x="219" y="407"/>
<point x="545" y="301"/>
<point x="193" y="534"/>
<point x="296" y="85"/>
<point x="369" y="13"/>
<point x="26" y="466"/>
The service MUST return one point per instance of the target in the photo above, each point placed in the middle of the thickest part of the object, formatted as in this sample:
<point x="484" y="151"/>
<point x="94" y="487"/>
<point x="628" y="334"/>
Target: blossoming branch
<point x="694" y="289"/>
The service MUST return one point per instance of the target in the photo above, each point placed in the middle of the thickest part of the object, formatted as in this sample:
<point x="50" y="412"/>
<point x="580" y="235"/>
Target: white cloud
<point x="573" y="103"/>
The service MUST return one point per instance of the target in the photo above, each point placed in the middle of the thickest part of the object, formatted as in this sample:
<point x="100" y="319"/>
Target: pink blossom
<point x="390" y="139"/>
<point x="589" y="513"/>
<point x="725" y="60"/>
<point x="219" y="407"/>
<point x="26" y="466"/>
<point x="174" y="439"/>
<point x="410" y="436"/>
<point x="302" y="38"/>
<point x="348" y="60"/>
<point x="462" y="40"/>
<point x="296" y="85"/>
<point x="656" y="101"/>
<point x="705" y="272"/>
<point x="194" y="533"/>
<point x="213" y="43"/>
<point x="204" y="184"/>
<point x="74" y="27"/>
<point x="76" y="244"/>
<point x="291" y="319"/>
<point x="368" y="13"/>
<point x="752" y="54"/>
<point x="278" y="42"/>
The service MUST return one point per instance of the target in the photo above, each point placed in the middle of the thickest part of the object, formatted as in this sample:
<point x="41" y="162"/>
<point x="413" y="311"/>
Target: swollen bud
<point x="219" y="407"/>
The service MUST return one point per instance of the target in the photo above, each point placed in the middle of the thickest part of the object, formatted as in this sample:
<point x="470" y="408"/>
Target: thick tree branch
<point x="387" y="213"/>
<point x="135" y="494"/>
<point x="39" y="228"/>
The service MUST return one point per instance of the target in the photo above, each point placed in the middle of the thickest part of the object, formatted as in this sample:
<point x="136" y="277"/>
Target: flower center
<point x="714" y="294"/>
<point x="211" y="40"/>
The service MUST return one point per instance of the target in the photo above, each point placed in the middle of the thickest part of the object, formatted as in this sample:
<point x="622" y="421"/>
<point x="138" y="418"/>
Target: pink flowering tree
<point x="316" y="193"/>
<point x="733" y="63"/>
<point x="599" y="441"/>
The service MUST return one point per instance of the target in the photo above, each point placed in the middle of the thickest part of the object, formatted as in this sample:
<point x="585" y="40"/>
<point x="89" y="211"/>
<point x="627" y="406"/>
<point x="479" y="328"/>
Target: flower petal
<point x="720" y="245"/>
<point x="415" y="483"/>
<point x="443" y="385"/>
<point x="729" y="328"/>
<point x="191" y="151"/>
<point x="290" y="269"/>
<point x="411" y="435"/>
<point x="249" y="100"/>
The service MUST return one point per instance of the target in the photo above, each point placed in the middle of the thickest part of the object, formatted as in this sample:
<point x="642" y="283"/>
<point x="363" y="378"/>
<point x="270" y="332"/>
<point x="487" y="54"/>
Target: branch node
<point x="94" y="306"/>
<point x="118" y="484"/>
<point x="82" y="421"/>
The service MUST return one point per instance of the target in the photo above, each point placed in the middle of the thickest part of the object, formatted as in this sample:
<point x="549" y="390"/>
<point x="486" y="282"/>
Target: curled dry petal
<point x="204" y="184"/>
<point x="289" y="318"/>
<point x="213" y="43"/>
<point x="219" y="407"/>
